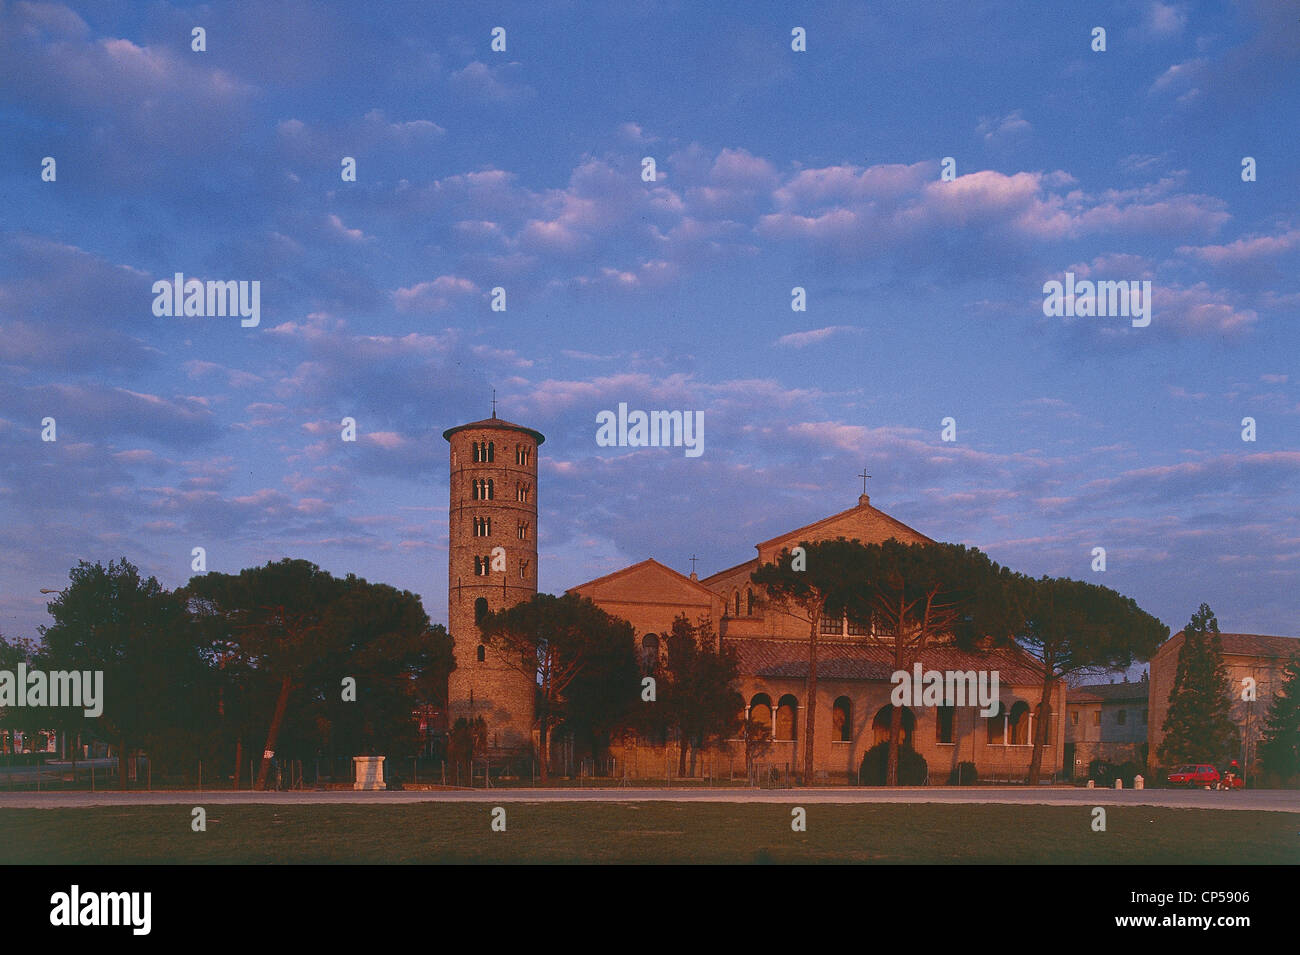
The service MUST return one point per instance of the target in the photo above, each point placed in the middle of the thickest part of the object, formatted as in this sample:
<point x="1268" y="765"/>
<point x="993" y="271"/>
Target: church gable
<point x="647" y="582"/>
<point x="863" y="523"/>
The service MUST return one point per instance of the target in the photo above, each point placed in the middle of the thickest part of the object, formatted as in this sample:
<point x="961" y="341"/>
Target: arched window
<point x="997" y="725"/>
<point x="842" y="720"/>
<point x="521" y="493"/>
<point x="944" y="716"/>
<point x="475" y="454"/>
<point x="749" y="602"/>
<point x="1018" y="724"/>
<point x="736" y="602"/>
<point x="650" y="652"/>
<point x="480" y="609"/>
<point x="523" y="530"/>
<point x="482" y="653"/>
<point x="787" y="716"/>
<point x="880" y="725"/>
<point x="489" y="489"/>
<point x="760" y="711"/>
<point x="492" y="451"/>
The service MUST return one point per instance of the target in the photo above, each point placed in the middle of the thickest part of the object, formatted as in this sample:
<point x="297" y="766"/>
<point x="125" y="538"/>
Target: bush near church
<point x="1104" y="774"/>
<point x="964" y="774"/>
<point x="912" y="768"/>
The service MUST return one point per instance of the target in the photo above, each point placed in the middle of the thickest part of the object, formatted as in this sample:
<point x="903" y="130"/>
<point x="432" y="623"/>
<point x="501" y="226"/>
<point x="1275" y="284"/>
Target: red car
<point x="1194" y="774"/>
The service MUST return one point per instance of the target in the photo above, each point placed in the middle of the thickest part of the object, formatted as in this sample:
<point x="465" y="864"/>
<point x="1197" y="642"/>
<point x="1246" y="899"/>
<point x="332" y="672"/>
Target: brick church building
<point x="493" y="511"/>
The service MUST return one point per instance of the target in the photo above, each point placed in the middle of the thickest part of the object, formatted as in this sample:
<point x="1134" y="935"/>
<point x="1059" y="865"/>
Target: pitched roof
<point x="809" y="530"/>
<point x="849" y="661"/>
<point x="648" y="564"/>
<point x="1256" y="644"/>
<point x="1108" y="692"/>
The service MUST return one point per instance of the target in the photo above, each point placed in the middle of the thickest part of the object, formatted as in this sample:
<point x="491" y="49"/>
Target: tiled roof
<point x="499" y="424"/>
<point x="1259" y="645"/>
<point x="844" y="661"/>
<point x="1108" y="692"/>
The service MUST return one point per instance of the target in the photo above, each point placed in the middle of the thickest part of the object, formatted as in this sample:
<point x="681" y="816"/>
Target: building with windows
<point x="853" y="688"/>
<point x="1253" y="660"/>
<point x="1106" y="721"/>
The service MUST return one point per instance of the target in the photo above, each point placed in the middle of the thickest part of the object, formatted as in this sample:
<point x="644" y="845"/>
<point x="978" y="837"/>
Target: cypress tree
<point x="1198" y="727"/>
<point x="1279" y="747"/>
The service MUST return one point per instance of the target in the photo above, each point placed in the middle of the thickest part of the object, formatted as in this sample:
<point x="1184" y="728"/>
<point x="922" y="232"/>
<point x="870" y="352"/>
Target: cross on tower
<point x="864" y="475"/>
<point x="494" y="402"/>
<point x="693" y="560"/>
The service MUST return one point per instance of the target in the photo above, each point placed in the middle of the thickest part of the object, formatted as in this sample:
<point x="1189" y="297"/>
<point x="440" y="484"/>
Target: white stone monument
<point x="369" y="772"/>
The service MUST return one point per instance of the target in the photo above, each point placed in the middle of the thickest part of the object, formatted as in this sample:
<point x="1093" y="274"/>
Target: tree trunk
<point x="811" y="691"/>
<point x="273" y="733"/>
<point x="681" y="754"/>
<point x="1040" y="732"/>
<point x="544" y="753"/>
<point x="239" y="759"/>
<point x="895" y="733"/>
<point x="121" y="763"/>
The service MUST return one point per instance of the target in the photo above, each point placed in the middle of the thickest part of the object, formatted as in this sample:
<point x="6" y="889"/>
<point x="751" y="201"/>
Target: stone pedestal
<point x="369" y="772"/>
<point x="1138" y="782"/>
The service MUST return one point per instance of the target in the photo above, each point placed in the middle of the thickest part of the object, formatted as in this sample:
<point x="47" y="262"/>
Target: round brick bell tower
<point x="491" y="565"/>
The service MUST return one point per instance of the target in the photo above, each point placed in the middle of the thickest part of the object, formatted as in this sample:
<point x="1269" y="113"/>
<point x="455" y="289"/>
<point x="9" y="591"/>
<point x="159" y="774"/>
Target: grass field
<point x="646" y="832"/>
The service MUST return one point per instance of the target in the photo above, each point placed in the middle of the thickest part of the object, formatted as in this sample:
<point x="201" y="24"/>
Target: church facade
<point x="492" y="564"/>
<point x="853" y="687"/>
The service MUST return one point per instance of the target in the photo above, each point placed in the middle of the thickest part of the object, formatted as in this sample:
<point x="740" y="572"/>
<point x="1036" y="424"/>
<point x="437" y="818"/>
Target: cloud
<point x="815" y="336"/>
<point x="435" y="296"/>
<point x="483" y="83"/>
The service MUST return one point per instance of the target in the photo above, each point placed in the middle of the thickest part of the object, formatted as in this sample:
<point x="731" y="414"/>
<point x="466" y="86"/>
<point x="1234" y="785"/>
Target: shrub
<point x="912" y="768"/>
<point x="963" y="774"/>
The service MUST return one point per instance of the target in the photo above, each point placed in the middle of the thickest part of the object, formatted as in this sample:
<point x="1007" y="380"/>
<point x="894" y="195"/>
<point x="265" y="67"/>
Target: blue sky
<point x="522" y="169"/>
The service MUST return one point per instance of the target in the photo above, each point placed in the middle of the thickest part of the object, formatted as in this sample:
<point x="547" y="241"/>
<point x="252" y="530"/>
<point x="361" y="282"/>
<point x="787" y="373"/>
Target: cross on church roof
<point x="494" y="403"/>
<point x="864" y="475"/>
<point x="693" y="560"/>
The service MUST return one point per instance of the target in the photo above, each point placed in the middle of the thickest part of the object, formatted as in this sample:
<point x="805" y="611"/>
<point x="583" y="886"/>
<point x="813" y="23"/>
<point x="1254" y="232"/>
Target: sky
<point x="774" y="169"/>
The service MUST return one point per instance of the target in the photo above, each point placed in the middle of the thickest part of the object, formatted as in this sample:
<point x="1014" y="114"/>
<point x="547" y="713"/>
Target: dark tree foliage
<point x="140" y="636"/>
<point x="583" y="659"/>
<point x="699" y="688"/>
<point x="1279" y="747"/>
<point x="1198" y="727"/>
<point x="289" y="632"/>
<point x="1071" y="626"/>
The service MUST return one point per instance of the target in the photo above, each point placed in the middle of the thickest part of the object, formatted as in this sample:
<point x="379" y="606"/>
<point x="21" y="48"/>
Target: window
<point x="760" y="711"/>
<point x="483" y="489"/>
<point x="482" y="566"/>
<point x="842" y="721"/>
<point x="522" y="455"/>
<point x="880" y="725"/>
<point x="523" y="570"/>
<point x="482" y="653"/>
<point x="491" y="452"/>
<point x="523" y="530"/>
<point x="1018" y="724"/>
<point x="858" y="629"/>
<point x="477" y="454"/>
<point x="1121" y="717"/>
<point x="831" y="625"/>
<point x="1096" y="717"/>
<point x="997" y="726"/>
<point x="521" y="492"/>
<point x="650" y="652"/>
<point x="749" y="602"/>
<point x="490" y="492"/>
<point x="943" y="724"/>
<point x="1074" y="718"/>
<point x="482" y="527"/>
<point x="736" y="601"/>
<point x="787" y="714"/>
<point x="480" y="609"/>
